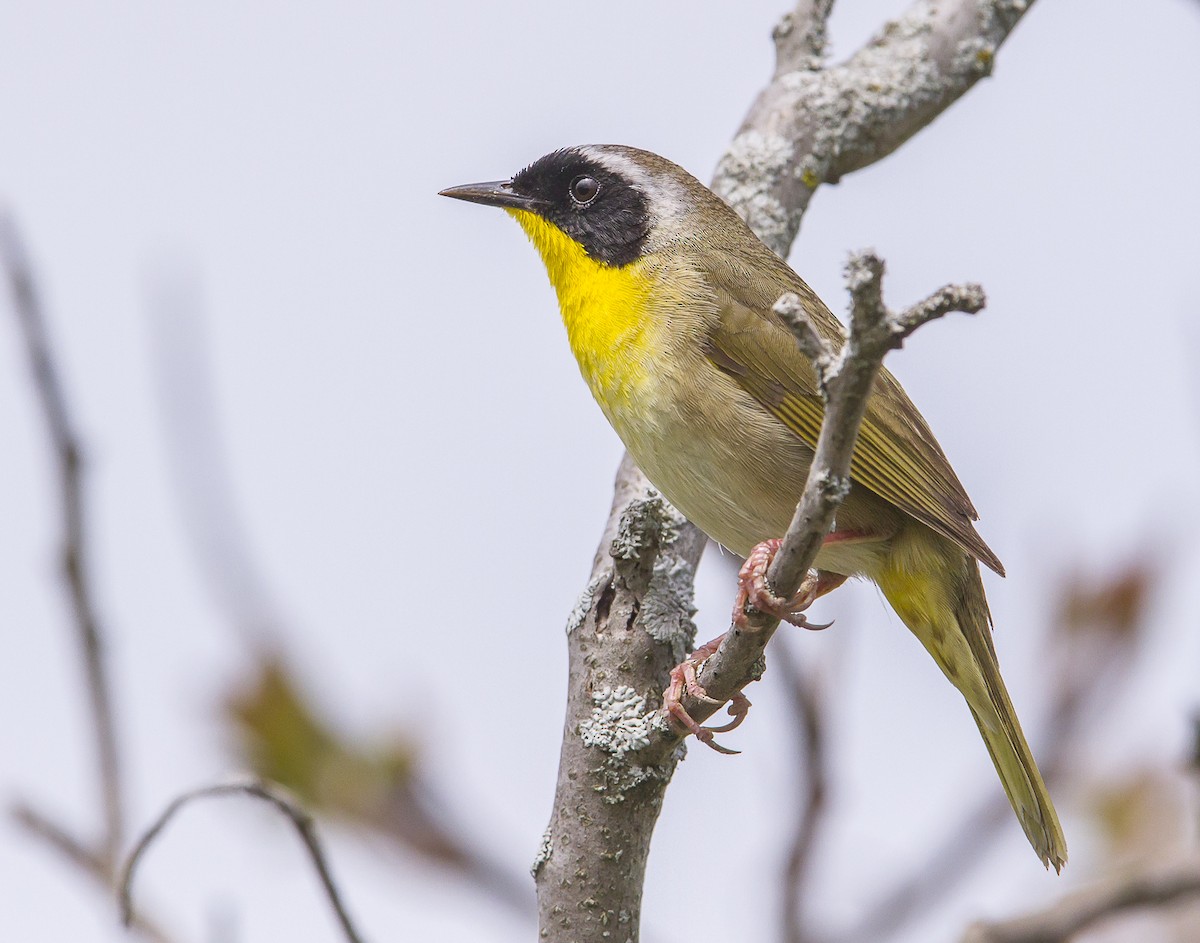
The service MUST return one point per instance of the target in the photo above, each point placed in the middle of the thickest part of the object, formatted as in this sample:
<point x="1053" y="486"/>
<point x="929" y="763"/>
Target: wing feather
<point x="896" y="455"/>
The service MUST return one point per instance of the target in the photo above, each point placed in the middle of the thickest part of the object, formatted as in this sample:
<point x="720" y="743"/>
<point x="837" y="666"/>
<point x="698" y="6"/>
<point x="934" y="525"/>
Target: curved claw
<point x="739" y="707"/>
<point x="705" y="736"/>
<point x="801" y="622"/>
<point x="702" y="734"/>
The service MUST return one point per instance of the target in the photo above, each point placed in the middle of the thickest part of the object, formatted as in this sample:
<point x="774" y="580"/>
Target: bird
<point x="667" y="298"/>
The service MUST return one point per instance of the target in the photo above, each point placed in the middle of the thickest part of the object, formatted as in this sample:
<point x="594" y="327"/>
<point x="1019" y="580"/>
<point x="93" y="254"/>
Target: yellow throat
<point x="604" y="308"/>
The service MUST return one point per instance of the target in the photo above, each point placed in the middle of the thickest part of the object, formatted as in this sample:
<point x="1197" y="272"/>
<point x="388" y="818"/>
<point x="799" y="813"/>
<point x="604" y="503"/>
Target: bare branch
<point x="259" y="790"/>
<point x="37" y="823"/>
<point x="847" y="382"/>
<point x="632" y="625"/>
<point x="810" y="126"/>
<point x="198" y="461"/>
<point x="864" y="282"/>
<point x="967" y="298"/>
<point x="74" y="559"/>
<point x="1062" y="921"/>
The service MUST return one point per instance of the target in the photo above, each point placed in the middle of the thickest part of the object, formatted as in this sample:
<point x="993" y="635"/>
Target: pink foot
<point x="683" y="678"/>
<point x="755" y="593"/>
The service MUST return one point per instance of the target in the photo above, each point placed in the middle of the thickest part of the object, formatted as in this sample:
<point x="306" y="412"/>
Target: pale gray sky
<point x="392" y="377"/>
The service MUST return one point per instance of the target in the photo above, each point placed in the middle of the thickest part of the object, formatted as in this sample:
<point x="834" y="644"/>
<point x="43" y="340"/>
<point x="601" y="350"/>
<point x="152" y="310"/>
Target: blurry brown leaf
<point x="377" y="788"/>
<point x="282" y="739"/>
<point x="1114" y="605"/>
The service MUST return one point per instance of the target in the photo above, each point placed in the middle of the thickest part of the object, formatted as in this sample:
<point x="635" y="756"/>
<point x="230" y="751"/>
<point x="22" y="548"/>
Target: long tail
<point x="946" y="609"/>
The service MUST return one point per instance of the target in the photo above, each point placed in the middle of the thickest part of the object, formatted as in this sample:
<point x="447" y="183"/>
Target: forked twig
<point x="74" y="558"/>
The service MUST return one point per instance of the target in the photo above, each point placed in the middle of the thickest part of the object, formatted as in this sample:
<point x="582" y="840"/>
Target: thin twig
<point x="822" y="353"/>
<point x="1062" y="921"/>
<point x="61" y="840"/>
<point x="74" y="559"/>
<point x="873" y="332"/>
<point x="259" y="790"/>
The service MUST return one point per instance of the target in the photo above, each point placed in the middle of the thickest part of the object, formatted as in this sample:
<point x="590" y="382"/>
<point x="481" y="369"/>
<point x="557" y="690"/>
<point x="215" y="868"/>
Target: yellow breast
<point x="605" y="310"/>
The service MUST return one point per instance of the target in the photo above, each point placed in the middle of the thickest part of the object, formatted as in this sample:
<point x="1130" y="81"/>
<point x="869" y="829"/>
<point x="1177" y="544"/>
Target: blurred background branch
<point x="97" y="856"/>
<point x="279" y="732"/>
<point x="256" y="789"/>
<point x="377" y="789"/>
<point x="1073" y="915"/>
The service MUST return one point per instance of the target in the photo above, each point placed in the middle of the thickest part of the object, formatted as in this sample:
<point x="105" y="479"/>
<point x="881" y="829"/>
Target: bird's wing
<point x="896" y="455"/>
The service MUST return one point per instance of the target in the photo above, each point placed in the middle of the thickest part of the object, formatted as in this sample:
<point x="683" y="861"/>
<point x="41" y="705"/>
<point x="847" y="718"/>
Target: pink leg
<point x="754" y="592"/>
<point x="683" y="678"/>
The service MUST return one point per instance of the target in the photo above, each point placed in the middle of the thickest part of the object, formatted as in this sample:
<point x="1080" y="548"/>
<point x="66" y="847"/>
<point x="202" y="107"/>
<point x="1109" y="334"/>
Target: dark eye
<point x="584" y="190"/>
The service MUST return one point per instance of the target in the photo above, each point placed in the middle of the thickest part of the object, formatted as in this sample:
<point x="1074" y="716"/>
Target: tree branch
<point x="74" y="558"/>
<point x="800" y="37"/>
<point x="259" y="790"/>
<point x="631" y="626"/>
<point x="811" y="126"/>
<point x="807" y="126"/>
<point x="1062" y="921"/>
<point x="199" y="466"/>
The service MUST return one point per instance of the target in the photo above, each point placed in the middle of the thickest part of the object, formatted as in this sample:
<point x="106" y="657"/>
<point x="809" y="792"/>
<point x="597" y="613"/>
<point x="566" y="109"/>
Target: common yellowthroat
<point x="667" y="299"/>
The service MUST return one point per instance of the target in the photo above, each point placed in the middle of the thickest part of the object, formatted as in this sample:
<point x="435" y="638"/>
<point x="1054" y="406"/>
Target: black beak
<point x="496" y="193"/>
